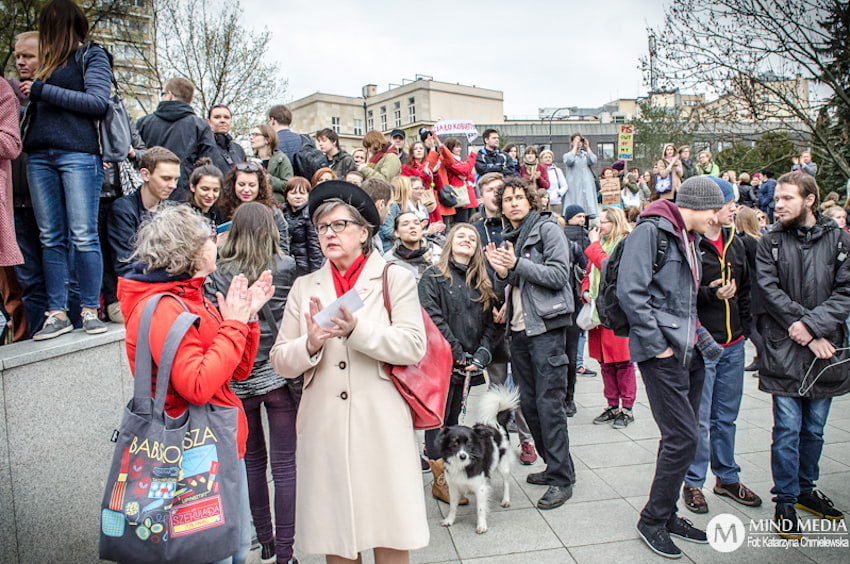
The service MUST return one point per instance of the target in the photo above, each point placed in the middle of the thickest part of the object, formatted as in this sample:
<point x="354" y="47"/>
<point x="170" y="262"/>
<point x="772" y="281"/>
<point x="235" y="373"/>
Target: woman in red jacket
<point x="424" y="163"/>
<point x="175" y="251"/>
<point x="460" y="175"/>
<point x="612" y="352"/>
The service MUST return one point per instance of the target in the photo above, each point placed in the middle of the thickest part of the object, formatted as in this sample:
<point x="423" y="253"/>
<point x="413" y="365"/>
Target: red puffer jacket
<point x="210" y="355"/>
<point x="602" y="343"/>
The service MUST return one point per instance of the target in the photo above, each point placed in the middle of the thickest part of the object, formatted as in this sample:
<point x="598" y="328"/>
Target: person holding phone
<point x="580" y="178"/>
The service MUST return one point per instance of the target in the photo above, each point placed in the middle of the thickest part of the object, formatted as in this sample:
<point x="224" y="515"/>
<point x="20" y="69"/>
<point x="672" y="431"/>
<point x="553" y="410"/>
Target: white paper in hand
<point x="352" y="302"/>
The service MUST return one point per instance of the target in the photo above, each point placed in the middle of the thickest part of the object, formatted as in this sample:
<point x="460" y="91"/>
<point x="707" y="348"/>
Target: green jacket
<point x="280" y="171"/>
<point x="387" y="168"/>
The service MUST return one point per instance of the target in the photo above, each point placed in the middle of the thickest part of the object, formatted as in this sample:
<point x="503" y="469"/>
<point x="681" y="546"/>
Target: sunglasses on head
<point x="248" y="167"/>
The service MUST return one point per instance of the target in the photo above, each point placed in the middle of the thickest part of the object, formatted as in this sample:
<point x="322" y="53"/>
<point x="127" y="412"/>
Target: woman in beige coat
<point x="669" y="165"/>
<point x="360" y="483"/>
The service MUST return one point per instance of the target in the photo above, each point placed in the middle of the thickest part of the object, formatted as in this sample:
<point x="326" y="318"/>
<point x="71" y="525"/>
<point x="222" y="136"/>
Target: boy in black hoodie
<point x="660" y="302"/>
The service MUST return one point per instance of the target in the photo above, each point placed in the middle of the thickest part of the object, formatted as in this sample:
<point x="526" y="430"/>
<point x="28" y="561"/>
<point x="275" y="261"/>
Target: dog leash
<point x="805" y="389"/>
<point x="465" y="395"/>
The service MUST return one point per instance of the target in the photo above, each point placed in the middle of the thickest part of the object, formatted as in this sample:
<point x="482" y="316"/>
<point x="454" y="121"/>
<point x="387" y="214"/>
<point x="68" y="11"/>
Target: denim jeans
<point x="797" y="444"/>
<point x="582" y="341"/>
<point x="718" y="410"/>
<point x="65" y="190"/>
<point x="674" y="393"/>
<point x="281" y="409"/>
<point x="539" y="367"/>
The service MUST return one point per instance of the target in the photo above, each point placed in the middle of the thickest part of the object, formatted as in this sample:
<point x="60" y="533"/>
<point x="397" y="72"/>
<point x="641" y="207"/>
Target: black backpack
<point x="308" y="159"/>
<point x="611" y="315"/>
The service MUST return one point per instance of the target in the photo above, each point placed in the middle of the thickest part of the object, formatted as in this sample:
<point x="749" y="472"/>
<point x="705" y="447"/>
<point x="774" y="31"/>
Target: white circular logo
<point x="725" y="532"/>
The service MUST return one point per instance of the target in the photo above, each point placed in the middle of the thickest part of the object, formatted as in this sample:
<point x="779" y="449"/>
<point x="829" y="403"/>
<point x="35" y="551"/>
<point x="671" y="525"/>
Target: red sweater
<point x="209" y="356"/>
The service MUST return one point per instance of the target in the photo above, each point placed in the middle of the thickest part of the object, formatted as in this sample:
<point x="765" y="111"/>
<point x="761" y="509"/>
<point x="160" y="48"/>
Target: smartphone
<point x="223" y="227"/>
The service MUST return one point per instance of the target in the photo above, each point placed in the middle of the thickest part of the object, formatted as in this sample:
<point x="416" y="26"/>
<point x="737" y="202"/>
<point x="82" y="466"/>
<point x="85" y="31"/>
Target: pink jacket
<point x="10" y="147"/>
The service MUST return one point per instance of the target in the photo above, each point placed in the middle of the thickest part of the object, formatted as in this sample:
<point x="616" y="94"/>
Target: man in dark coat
<point x="227" y="151"/>
<point x="804" y="275"/>
<point x="175" y="126"/>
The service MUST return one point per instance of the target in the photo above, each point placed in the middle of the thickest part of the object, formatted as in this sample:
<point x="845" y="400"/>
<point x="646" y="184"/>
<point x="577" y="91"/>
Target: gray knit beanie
<point x="700" y="193"/>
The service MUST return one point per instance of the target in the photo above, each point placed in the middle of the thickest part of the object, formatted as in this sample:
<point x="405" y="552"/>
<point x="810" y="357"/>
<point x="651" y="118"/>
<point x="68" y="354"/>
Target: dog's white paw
<point x="447" y="523"/>
<point x="480" y="529"/>
<point x="505" y="503"/>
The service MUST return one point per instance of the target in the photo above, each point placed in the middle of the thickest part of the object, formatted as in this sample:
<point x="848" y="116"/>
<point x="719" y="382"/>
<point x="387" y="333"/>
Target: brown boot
<point x="440" y="489"/>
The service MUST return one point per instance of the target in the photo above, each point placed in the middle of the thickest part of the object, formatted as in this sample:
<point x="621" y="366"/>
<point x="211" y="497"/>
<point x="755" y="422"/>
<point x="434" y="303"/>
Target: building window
<point x="358" y="127"/>
<point x="411" y="113"/>
<point x="397" y="116"/>
<point x="370" y="124"/>
<point x="605" y="151"/>
<point x="335" y="124"/>
<point x="383" y="122"/>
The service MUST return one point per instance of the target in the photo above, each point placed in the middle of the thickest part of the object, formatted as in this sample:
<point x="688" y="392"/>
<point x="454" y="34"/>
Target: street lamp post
<point x="551" y="117"/>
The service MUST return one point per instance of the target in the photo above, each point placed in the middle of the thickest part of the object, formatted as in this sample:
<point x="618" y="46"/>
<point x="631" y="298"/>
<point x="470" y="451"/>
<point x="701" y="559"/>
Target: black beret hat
<point x="348" y="193"/>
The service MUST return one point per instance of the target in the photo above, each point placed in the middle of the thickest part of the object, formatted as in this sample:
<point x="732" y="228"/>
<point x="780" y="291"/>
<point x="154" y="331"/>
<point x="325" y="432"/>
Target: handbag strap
<point x="385" y="292"/>
<point x="144" y="360"/>
<point x="268" y="317"/>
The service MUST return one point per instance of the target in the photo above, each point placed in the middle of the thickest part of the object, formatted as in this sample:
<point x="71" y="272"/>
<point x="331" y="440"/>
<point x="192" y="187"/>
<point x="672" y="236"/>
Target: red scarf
<point x="345" y="282"/>
<point x="387" y="148"/>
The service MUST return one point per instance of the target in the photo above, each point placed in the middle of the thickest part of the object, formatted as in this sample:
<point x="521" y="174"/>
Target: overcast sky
<point x="540" y="54"/>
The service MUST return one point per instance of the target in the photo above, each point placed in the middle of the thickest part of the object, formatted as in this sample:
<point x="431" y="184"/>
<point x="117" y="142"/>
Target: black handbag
<point x="447" y="196"/>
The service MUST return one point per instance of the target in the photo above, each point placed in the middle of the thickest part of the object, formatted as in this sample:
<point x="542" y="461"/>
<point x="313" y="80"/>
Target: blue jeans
<point x="65" y="190"/>
<point x="582" y="340"/>
<point x="718" y="410"/>
<point x="241" y="555"/>
<point x="797" y="444"/>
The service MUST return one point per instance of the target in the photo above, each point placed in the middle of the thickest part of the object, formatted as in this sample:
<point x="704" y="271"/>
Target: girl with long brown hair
<point x="249" y="182"/>
<point x="458" y="295"/>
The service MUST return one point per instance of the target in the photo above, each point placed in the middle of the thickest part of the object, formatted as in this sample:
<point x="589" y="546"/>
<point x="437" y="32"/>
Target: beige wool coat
<point x="359" y="479"/>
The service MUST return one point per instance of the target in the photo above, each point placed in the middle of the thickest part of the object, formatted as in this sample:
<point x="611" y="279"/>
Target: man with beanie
<point x="723" y="304"/>
<point x="804" y="275"/>
<point x="660" y="303"/>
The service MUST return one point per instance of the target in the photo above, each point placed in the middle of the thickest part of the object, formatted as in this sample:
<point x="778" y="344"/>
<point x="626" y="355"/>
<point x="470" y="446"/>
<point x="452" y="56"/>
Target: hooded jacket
<point x="726" y="320"/>
<point x="303" y="241"/>
<point x="661" y="306"/>
<point x="227" y="152"/>
<point x="804" y="275"/>
<point x="175" y="126"/>
<point x="212" y="352"/>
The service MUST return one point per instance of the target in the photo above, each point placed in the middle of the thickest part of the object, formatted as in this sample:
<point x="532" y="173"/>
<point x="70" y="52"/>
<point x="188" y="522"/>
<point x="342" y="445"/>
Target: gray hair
<point x="172" y="240"/>
<point x="330" y="205"/>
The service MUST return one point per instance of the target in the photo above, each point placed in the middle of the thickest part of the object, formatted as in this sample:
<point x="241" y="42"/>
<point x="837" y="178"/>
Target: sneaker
<point x="694" y="500"/>
<point x="268" y="554"/>
<point x="528" y="455"/>
<point x="685" y="530"/>
<point x="623" y="419"/>
<point x="537" y="478"/>
<point x="785" y="522"/>
<point x="91" y="324"/>
<point x="585" y="371"/>
<point x="816" y="502"/>
<point x="53" y="327"/>
<point x="554" y="497"/>
<point x="607" y="416"/>
<point x="738" y="492"/>
<point x="658" y="540"/>
<point x="570" y="408"/>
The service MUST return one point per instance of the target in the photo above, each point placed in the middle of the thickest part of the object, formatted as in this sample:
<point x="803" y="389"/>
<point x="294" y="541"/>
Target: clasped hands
<point x="800" y="334"/>
<point x="502" y="259"/>
<point x="316" y="335"/>
<point x="243" y="302"/>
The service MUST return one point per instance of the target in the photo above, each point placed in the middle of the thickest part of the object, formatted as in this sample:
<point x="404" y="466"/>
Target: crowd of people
<point x="502" y="250"/>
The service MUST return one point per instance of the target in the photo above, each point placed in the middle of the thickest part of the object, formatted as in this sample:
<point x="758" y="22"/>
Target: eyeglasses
<point x="337" y="226"/>
<point x="248" y="167"/>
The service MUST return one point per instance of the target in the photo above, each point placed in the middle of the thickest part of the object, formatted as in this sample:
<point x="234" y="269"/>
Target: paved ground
<point x="614" y="469"/>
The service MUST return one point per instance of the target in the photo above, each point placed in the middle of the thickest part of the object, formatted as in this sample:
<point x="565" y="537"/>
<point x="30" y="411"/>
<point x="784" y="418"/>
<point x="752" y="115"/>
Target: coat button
<point x="343" y="396"/>
<point x="342" y="365"/>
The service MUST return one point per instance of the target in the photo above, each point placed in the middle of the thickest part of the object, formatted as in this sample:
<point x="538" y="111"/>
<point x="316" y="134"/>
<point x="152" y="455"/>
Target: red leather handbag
<point x="424" y="385"/>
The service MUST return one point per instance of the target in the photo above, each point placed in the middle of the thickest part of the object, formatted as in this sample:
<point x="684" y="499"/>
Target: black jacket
<point x="492" y="161"/>
<point x="283" y="274"/>
<point x="342" y="163"/>
<point x="804" y="275"/>
<point x="726" y="320"/>
<point x="303" y="241"/>
<point x="747" y="196"/>
<point x="122" y="222"/>
<point x="227" y="152"/>
<point x="465" y="324"/>
<point x="175" y="126"/>
<point x="578" y="234"/>
<point x="750" y="245"/>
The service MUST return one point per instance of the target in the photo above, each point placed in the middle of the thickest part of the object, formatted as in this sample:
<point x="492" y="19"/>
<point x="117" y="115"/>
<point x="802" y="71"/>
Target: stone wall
<point x="60" y="401"/>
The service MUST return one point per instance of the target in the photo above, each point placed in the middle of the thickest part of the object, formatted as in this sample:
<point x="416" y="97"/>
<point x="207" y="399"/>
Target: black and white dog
<point x="471" y="455"/>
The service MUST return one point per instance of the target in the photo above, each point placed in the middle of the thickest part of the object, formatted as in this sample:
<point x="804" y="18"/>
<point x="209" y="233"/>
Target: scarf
<point x="518" y="235"/>
<point x="406" y="254"/>
<point x="345" y="282"/>
<point x="608" y="246"/>
<point x="387" y="148"/>
<point x="530" y="167"/>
